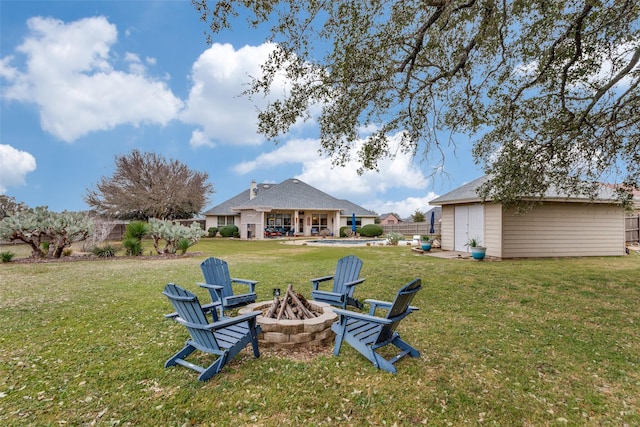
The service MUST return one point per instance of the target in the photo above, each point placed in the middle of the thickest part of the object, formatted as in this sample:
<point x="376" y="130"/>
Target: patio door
<point x="468" y="223"/>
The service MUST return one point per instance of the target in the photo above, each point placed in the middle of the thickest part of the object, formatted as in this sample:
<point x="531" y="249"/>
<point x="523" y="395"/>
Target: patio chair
<point x="224" y="338"/>
<point x="344" y="284"/>
<point x="220" y="285"/>
<point x="367" y="333"/>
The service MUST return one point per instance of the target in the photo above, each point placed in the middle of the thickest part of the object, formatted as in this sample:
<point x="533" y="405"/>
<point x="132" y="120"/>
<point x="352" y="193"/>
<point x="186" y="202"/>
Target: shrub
<point x="45" y="247"/>
<point x="228" y="231"/>
<point x="107" y="251"/>
<point x="213" y="231"/>
<point x="346" y="230"/>
<point x="7" y="256"/>
<point x="133" y="235"/>
<point x="183" y="245"/>
<point x="371" y="230"/>
<point x="67" y="252"/>
<point x="394" y="238"/>
<point x="172" y="234"/>
<point x="136" y="230"/>
<point x="133" y="246"/>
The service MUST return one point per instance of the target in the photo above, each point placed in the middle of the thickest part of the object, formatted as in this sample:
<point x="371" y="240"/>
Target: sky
<point x="82" y="82"/>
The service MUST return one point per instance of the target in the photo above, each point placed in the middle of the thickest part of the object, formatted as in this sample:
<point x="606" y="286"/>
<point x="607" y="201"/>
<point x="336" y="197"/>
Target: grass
<point x="519" y="342"/>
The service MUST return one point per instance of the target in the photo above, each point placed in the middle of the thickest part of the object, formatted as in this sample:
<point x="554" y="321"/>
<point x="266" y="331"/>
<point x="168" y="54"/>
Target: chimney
<point x="253" y="189"/>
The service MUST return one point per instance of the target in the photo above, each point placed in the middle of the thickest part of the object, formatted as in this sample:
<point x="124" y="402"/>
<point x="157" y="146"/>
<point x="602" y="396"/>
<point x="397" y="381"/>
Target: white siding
<point x="564" y="229"/>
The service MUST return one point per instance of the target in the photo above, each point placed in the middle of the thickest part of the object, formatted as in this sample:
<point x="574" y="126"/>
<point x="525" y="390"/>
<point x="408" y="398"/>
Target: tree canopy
<point x="145" y="185"/>
<point x="546" y="90"/>
<point x="418" y="216"/>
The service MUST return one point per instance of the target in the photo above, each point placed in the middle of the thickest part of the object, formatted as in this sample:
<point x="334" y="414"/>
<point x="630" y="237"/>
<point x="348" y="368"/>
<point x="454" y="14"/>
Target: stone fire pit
<point x="290" y="334"/>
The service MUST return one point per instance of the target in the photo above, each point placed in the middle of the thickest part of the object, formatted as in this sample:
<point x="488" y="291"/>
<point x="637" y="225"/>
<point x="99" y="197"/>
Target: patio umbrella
<point x="432" y="230"/>
<point x="353" y="223"/>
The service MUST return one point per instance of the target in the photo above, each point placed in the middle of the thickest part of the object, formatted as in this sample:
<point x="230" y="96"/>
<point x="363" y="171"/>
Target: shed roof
<point x="468" y="193"/>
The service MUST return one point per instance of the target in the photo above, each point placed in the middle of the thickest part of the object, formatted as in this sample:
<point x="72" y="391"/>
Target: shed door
<point x="469" y="222"/>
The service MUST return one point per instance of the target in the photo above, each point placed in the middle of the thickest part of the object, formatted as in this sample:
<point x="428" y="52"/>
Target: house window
<point x="358" y="222"/>
<point x="319" y="220"/>
<point x="225" y="220"/>
<point x="279" y="220"/>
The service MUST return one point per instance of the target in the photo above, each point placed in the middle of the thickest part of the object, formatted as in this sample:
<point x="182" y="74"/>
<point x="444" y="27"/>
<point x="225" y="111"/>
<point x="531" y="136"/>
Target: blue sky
<point x="84" y="81"/>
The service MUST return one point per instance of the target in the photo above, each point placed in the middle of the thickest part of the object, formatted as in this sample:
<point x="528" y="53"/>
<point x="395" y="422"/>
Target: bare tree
<point x="145" y="185"/>
<point x="546" y="90"/>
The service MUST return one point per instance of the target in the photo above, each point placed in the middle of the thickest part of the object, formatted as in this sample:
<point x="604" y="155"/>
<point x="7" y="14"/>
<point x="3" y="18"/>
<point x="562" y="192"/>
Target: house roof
<point x="386" y="215"/>
<point x="468" y="193"/>
<point x="290" y="194"/>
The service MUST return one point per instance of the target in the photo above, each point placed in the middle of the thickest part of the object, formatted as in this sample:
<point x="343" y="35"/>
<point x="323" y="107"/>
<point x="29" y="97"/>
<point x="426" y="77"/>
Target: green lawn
<point x="522" y="342"/>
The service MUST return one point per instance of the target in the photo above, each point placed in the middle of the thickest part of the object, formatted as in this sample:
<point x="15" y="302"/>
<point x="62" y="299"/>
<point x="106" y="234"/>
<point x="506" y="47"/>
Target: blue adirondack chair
<point x="344" y="284"/>
<point x="219" y="283"/>
<point x="224" y="338"/>
<point x="367" y="333"/>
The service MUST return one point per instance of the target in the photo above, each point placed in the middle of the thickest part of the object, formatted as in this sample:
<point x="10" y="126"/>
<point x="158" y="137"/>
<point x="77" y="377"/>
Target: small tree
<point x="133" y="235"/>
<point x="418" y="216"/>
<point x="174" y="235"/>
<point x="148" y="186"/>
<point x="35" y="226"/>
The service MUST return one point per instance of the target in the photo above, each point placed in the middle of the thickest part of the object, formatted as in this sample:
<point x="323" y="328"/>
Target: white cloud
<point x="199" y="139"/>
<point x="216" y="103"/>
<point x="304" y="151"/>
<point x="70" y="77"/>
<point x="14" y="165"/>
<point x="344" y="182"/>
<point x="397" y="172"/>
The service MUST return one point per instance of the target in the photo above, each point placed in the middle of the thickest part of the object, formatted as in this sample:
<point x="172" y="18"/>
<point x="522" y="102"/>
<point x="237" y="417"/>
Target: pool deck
<point x="359" y="243"/>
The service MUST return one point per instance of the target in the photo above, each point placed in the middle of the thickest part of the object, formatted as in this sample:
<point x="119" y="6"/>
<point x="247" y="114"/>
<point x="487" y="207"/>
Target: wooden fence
<point x="632" y="229"/>
<point x="117" y="233"/>
<point x="412" y="228"/>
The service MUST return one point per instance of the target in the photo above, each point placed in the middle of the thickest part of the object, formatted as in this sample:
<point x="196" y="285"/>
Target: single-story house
<point x="289" y="208"/>
<point x="389" y="218"/>
<point x="559" y="226"/>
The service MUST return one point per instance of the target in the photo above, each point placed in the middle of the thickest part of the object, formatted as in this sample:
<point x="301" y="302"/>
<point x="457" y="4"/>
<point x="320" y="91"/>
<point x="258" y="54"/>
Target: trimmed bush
<point x="371" y="230"/>
<point x="229" y="231"/>
<point x="213" y="231"/>
<point x="345" y="229"/>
